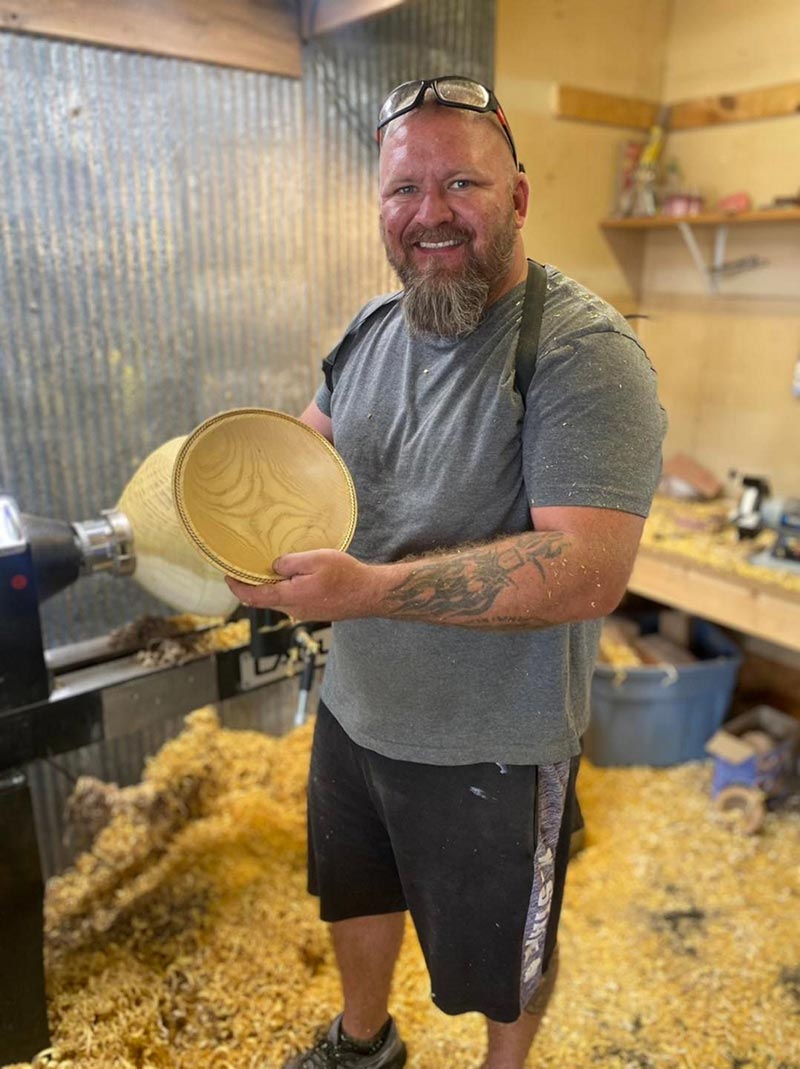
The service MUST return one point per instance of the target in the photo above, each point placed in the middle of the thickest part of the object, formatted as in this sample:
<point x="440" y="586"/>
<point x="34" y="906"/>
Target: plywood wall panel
<point x="725" y="371"/>
<point x="720" y="46"/>
<point x="572" y="165"/>
<point x="669" y="268"/>
<point x="725" y="363"/>
<point x="761" y="158"/>
<point x="562" y="222"/>
<point x="617" y="46"/>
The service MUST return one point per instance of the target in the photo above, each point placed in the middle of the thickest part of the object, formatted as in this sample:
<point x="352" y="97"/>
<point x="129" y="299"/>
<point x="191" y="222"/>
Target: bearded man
<point x="498" y="522"/>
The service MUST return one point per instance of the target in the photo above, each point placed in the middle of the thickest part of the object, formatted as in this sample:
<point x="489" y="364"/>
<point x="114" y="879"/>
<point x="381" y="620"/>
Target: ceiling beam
<point x="259" y="35"/>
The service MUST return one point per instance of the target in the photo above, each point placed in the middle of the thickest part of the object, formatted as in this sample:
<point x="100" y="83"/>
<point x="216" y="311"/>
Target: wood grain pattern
<point x="252" y="484"/>
<point x="771" y="102"/>
<point x="258" y="35"/>
<point x="588" y="105"/>
<point x="167" y="563"/>
<point x="591" y="106"/>
<point x="735" y="602"/>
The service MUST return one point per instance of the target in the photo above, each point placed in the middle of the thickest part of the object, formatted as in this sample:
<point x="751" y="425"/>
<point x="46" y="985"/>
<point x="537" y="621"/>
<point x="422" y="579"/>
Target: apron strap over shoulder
<point x="530" y="327"/>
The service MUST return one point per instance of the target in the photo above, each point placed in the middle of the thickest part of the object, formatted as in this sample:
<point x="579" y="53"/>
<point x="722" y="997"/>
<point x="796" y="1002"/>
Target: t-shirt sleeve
<point x="593" y="426"/>
<point x="322" y="399"/>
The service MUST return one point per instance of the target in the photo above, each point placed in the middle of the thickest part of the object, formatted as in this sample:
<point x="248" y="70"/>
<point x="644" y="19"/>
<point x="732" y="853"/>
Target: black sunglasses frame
<point x="492" y="105"/>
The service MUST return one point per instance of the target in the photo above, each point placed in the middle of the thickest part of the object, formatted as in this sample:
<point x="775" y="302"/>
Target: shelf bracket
<point x="720" y="238"/>
<point x="719" y="267"/>
<point x="687" y="234"/>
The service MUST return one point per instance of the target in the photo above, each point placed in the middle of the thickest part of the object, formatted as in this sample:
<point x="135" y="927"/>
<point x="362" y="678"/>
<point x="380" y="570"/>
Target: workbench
<point x="690" y="558"/>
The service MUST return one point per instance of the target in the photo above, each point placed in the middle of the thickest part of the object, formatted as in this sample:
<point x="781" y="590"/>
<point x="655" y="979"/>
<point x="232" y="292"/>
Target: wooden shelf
<point x="624" y="237"/>
<point x="651" y="222"/>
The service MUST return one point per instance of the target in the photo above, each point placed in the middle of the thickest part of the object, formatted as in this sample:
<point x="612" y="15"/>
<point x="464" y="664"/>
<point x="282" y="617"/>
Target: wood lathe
<point x="61" y="699"/>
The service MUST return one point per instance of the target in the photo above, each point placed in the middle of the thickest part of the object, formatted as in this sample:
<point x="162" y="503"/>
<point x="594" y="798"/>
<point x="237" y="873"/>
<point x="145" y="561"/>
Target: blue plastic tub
<point x="663" y="716"/>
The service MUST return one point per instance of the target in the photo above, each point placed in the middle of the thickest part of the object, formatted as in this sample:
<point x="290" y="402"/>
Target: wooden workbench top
<point x="691" y="558"/>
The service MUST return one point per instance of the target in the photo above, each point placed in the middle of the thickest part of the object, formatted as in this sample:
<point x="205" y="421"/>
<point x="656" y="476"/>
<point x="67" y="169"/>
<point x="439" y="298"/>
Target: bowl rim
<point x="178" y="475"/>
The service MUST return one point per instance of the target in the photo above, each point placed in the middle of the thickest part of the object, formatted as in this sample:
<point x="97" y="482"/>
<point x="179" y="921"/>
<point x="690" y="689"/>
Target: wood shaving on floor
<point x="184" y="938"/>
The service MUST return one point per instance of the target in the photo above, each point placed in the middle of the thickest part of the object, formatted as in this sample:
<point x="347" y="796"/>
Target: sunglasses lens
<point x="462" y="91"/>
<point x="401" y="97"/>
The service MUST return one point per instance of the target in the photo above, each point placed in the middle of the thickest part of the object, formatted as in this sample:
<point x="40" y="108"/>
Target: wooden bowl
<point x="251" y="484"/>
<point x="167" y="564"/>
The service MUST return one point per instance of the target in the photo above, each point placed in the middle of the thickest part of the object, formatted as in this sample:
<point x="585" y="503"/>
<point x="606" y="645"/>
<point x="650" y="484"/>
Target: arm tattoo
<point x="468" y="585"/>
<point x="544" y="547"/>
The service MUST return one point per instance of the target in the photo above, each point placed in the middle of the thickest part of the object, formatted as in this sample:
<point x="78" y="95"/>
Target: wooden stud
<point x="750" y="104"/>
<point x="590" y="106"/>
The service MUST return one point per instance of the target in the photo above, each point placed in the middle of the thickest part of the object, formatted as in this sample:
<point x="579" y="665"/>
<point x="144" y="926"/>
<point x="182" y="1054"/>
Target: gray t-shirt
<point x="443" y="452"/>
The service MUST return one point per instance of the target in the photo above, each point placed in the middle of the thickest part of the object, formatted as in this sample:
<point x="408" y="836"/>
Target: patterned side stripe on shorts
<point x="551" y="793"/>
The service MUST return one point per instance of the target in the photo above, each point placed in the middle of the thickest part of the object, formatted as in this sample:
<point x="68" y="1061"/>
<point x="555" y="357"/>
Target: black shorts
<point x="477" y="853"/>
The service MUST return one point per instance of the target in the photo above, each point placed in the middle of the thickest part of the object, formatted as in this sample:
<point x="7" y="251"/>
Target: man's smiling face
<point x="452" y="202"/>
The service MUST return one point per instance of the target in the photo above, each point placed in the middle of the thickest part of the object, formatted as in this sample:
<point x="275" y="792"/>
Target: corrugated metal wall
<point x="178" y="239"/>
<point x="149" y="278"/>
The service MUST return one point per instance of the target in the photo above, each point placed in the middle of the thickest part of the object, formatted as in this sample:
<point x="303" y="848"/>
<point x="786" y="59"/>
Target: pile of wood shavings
<point x="161" y="642"/>
<point x="150" y="628"/>
<point x="702" y="532"/>
<point x="185" y="938"/>
<point x="181" y="649"/>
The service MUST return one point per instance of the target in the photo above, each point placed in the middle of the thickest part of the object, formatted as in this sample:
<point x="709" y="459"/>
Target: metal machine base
<point x="23" y="1014"/>
<point x="90" y="703"/>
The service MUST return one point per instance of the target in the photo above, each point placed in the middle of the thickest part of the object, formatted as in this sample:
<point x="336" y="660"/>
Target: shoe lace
<point x="327" y="1055"/>
<point x="321" y="1056"/>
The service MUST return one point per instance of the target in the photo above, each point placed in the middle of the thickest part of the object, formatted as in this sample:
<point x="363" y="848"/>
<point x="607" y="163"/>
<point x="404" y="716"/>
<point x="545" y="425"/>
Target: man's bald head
<point x="486" y="120"/>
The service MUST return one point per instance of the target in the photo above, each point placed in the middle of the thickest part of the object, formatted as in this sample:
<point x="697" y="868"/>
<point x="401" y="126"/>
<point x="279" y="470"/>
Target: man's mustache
<point x="439" y="233"/>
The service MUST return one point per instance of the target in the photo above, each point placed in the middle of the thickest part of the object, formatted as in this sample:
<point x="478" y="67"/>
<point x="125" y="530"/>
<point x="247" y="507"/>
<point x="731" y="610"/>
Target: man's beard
<point x="452" y="304"/>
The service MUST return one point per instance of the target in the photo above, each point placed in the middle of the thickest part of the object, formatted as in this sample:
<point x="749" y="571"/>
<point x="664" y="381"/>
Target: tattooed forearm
<point x="468" y="585"/>
<point x="454" y="587"/>
<point x="544" y="547"/>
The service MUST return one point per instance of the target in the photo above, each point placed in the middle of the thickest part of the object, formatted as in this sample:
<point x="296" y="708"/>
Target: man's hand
<point x="322" y="584"/>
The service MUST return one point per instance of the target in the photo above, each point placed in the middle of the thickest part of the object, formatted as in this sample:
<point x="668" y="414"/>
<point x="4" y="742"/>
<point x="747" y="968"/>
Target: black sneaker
<point x="333" y="1052"/>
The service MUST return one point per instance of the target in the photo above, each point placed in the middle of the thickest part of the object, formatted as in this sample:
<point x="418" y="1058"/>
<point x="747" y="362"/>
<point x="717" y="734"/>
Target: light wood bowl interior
<point x="252" y="484"/>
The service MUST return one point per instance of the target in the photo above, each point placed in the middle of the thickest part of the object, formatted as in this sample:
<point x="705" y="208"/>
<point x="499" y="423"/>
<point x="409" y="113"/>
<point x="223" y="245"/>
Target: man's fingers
<point x="240" y="590"/>
<point x="296" y="563"/>
<point x="262" y="597"/>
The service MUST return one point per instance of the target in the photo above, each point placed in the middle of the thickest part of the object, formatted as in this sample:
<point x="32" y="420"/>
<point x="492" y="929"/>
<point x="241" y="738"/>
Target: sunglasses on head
<point x="452" y="91"/>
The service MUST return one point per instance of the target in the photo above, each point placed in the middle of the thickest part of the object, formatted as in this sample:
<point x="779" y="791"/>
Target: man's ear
<point x="521" y="195"/>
